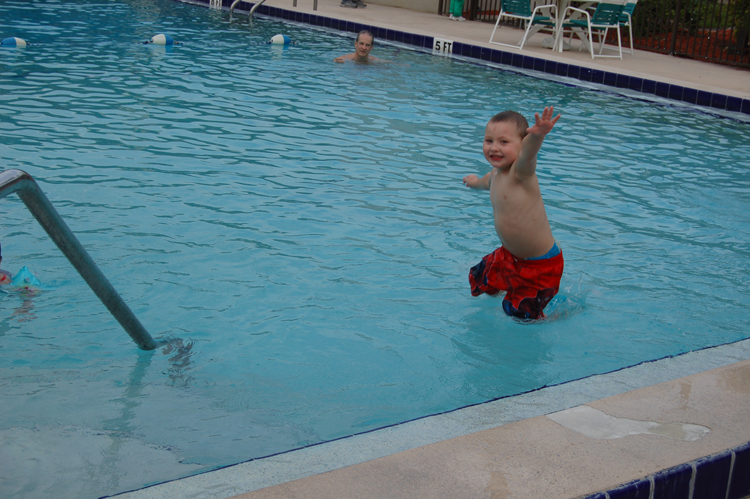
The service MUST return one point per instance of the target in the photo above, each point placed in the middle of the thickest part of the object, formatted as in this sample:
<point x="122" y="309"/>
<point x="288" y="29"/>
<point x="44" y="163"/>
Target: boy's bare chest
<point x="508" y="192"/>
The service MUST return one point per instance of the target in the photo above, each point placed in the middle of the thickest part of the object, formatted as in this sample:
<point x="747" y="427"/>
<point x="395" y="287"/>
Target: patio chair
<point x="626" y="20"/>
<point x="584" y="24"/>
<point x="541" y="18"/>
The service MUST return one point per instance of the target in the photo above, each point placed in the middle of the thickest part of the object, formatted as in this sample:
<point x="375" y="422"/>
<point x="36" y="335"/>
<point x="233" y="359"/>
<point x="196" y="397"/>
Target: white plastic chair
<point x="584" y="24"/>
<point x="626" y="20"/>
<point x="535" y="20"/>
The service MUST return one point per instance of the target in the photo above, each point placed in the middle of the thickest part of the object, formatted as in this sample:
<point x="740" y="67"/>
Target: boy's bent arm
<point x="526" y="163"/>
<point x="475" y="182"/>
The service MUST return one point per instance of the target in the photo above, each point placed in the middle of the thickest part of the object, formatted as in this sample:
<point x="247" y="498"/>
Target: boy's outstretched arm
<point x="475" y="182"/>
<point x="526" y="162"/>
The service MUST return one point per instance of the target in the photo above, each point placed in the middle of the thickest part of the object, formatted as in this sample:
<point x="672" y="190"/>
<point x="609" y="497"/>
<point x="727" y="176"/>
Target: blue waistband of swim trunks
<point x="553" y="252"/>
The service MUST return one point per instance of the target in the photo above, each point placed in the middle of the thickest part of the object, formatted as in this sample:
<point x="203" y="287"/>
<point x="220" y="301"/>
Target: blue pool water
<point x="300" y="230"/>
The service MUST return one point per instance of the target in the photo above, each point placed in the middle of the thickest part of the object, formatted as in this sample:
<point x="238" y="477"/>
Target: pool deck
<point x="625" y="427"/>
<point x="592" y="448"/>
<point x="686" y="414"/>
<point x="648" y="65"/>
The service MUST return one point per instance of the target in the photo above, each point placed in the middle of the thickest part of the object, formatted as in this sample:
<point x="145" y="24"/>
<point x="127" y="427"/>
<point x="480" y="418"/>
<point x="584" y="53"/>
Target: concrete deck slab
<point x="539" y="457"/>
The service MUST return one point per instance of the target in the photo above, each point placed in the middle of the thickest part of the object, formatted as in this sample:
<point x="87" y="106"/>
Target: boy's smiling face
<point x="502" y="144"/>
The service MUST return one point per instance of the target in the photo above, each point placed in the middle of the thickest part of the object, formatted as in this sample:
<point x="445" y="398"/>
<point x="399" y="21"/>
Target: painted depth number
<point x="443" y="46"/>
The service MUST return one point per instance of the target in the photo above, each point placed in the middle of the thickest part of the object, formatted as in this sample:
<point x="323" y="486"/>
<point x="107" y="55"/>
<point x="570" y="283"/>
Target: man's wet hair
<point x="513" y="117"/>
<point x="365" y="32"/>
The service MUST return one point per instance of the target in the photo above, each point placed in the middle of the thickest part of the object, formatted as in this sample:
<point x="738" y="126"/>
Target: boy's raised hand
<point x="543" y="125"/>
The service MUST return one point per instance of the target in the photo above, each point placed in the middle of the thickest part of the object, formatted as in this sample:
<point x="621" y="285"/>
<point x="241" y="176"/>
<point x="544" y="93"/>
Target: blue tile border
<point x="616" y="80"/>
<point x="712" y="476"/>
<point x="724" y="475"/>
<point x="637" y="489"/>
<point x="673" y="483"/>
<point x="739" y="486"/>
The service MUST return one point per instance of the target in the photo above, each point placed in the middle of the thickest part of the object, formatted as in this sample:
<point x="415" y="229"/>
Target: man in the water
<point x="362" y="46"/>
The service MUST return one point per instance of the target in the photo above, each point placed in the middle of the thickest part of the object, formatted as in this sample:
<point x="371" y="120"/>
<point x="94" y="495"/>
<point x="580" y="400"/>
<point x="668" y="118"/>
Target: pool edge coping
<point x="255" y="474"/>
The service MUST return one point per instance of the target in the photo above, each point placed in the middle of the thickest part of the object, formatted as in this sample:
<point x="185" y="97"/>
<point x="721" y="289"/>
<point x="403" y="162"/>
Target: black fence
<point x="709" y="30"/>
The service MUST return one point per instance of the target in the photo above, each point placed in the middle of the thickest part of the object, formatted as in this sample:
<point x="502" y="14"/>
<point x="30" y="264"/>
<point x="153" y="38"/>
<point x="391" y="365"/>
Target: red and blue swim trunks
<point x="529" y="284"/>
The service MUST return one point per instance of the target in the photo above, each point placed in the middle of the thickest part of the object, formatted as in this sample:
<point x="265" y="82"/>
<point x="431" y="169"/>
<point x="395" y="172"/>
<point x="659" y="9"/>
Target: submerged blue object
<point x="25" y="279"/>
<point x="13" y="42"/>
<point x="280" y="40"/>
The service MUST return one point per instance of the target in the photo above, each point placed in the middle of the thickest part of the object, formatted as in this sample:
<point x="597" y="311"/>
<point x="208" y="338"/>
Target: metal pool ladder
<point x="252" y="10"/>
<point x="32" y="196"/>
<point x="259" y="3"/>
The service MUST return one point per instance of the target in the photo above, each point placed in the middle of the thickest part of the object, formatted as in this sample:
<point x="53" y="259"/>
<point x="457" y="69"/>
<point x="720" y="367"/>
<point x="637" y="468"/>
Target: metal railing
<point x="260" y="2"/>
<point x="710" y="30"/>
<point x="315" y="4"/>
<point x="40" y="207"/>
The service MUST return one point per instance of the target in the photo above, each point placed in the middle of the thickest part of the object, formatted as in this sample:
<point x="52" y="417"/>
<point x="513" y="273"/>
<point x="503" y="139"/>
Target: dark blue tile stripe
<point x="725" y="475"/>
<point x="637" y="489"/>
<point x="712" y="476"/>
<point x="645" y="86"/>
<point x="739" y="486"/>
<point x="673" y="483"/>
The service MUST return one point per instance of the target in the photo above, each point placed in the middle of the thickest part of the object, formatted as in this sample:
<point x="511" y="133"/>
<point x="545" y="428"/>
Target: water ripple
<point x="302" y="226"/>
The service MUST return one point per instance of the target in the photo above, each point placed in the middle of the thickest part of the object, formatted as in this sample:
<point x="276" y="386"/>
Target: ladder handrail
<point x="255" y="7"/>
<point x="231" y="9"/>
<point x="41" y="208"/>
<point x="252" y="10"/>
<point x="259" y="3"/>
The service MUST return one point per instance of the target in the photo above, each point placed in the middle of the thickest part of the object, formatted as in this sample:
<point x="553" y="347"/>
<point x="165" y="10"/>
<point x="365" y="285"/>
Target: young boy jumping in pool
<point x="529" y="264"/>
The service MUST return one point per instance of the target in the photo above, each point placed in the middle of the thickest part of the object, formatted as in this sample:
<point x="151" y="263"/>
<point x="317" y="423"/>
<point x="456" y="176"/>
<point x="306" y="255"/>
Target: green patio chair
<point x="542" y="18"/>
<point x="626" y="20"/>
<point x="583" y="24"/>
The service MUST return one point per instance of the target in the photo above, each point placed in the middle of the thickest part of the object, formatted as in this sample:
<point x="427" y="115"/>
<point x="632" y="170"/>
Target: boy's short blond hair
<point x="512" y="117"/>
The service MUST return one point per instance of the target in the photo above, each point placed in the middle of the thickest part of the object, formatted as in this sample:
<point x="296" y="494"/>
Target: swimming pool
<point x="302" y="227"/>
